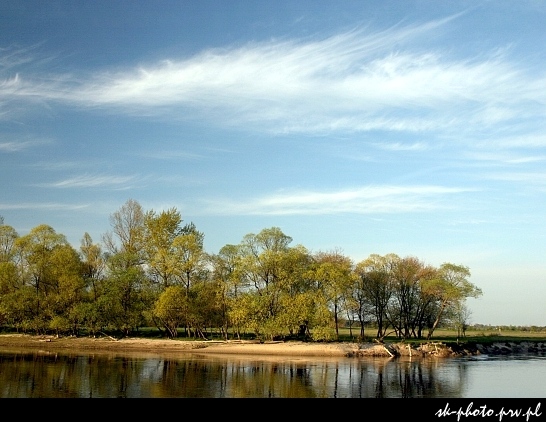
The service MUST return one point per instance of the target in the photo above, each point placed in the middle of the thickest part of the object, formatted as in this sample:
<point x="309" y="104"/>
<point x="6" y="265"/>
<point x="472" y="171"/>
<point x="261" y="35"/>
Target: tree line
<point x="151" y="270"/>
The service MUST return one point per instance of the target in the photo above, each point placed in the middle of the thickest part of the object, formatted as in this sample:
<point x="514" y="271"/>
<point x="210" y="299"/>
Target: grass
<point x="473" y="336"/>
<point x="447" y="336"/>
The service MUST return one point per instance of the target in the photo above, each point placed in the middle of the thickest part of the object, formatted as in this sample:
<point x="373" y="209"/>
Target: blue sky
<point x="370" y="127"/>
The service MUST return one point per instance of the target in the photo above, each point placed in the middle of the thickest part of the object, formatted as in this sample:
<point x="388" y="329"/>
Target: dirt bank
<point x="289" y="348"/>
<point x="165" y="345"/>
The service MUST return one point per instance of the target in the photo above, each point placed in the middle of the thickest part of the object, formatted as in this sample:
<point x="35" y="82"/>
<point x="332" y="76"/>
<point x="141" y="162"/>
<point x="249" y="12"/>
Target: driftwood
<point x="390" y="350"/>
<point x="113" y="338"/>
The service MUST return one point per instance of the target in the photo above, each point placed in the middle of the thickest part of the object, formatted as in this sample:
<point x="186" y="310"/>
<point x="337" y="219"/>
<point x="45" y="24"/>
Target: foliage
<point x="152" y="270"/>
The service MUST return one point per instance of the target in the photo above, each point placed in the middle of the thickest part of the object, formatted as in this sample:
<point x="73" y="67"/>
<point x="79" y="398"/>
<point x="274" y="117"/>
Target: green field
<point x="483" y="336"/>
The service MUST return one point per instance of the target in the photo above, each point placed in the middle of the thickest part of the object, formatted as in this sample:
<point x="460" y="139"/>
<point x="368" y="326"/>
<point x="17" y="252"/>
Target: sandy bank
<point x="289" y="348"/>
<point x="166" y="345"/>
<point x="234" y="347"/>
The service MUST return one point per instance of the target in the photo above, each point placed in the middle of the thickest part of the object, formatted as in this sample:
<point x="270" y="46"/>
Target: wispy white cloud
<point x="364" y="200"/>
<point x="351" y="82"/>
<point x="93" y="181"/>
<point x="504" y="157"/>
<point x="47" y="206"/>
<point x="398" y="146"/>
<point x="526" y="140"/>
<point x="16" y="146"/>
<point x="170" y="155"/>
<point x="528" y="178"/>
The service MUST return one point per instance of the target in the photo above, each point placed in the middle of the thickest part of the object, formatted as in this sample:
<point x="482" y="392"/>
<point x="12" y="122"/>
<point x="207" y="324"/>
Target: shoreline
<point x="50" y="343"/>
<point x="229" y="347"/>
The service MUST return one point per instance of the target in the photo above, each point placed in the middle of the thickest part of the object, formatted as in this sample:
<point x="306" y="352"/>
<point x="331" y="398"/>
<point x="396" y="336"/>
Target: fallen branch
<point x="115" y="339"/>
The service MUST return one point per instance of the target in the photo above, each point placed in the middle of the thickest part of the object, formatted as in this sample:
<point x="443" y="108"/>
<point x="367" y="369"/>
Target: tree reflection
<point x="195" y="376"/>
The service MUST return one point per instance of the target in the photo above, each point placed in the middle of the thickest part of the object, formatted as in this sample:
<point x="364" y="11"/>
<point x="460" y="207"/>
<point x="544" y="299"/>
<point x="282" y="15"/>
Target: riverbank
<point x="279" y="348"/>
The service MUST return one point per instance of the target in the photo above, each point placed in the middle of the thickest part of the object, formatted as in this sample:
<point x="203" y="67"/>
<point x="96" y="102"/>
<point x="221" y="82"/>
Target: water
<point x="105" y="375"/>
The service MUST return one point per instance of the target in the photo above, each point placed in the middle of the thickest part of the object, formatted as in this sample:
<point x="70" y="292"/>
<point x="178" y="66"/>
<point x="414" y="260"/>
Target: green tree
<point x="8" y="237"/>
<point x="373" y="290"/>
<point x="52" y="267"/>
<point x="172" y="309"/>
<point x="68" y="288"/>
<point x="161" y="230"/>
<point x="226" y="273"/>
<point x="94" y="265"/>
<point x="190" y="257"/>
<point x="262" y="266"/>
<point x="450" y="288"/>
<point x="404" y="308"/>
<point x="334" y="277"/>
<point x="125" y="299"/>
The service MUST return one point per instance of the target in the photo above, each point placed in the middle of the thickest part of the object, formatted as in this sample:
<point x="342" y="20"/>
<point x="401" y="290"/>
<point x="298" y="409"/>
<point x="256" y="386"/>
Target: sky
<point x="413" y="127"/>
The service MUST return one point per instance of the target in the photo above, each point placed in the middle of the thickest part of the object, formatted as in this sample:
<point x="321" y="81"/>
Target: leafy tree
<point x="52" y="267"/>
<point x="161" y="230"/>
<point x="374" y="289"/>
<point x="172" y="309"/>
<point x="226" y="274"/>
<point x="94" y="265"/>
<point x="261" y="265"/>
<point x="334" y="277"/>
<point x="191" y="259"/>
<point x="459" y="316"/>
<point x="450" y="288"/>
<point x="67" y="285"/>
<point x="124" y="300"/>
<point x="403" y="310"/>
<point x="8" y="236"/>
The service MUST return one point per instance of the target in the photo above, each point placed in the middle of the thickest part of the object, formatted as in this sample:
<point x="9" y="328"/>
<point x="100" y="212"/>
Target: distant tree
<point x="460" y="316"/>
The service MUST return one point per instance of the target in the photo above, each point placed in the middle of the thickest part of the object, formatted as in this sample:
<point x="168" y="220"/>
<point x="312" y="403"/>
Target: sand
<point x="289" y="348"/>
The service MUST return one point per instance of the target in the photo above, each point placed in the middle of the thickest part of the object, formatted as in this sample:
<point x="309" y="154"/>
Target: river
<point x="43" y="374"/>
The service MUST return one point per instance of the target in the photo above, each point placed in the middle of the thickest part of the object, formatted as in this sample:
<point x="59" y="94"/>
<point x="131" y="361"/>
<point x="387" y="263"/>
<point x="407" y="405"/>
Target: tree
<point x="8" y="237"/>
<point x="334" y="276"/>
<point x="190" y="258"/>
<point x="172" y="309"/>
<point x="275" y="275"/>
<point x="124" y="299"/>
<point x="36" y="251"/>
<point x="460" y="317"/>
<point x="127" y="235"/>
<point x="450" y="288"/>
<point x="9" y="275"/>
<point x="68" y="286"/>
<point x="374" y="290"/>
<point x="261" y="264"/>
<point x="406" y="305"/>
<point x="161" y="230"/>
<point x="230" y="283"/>
<point x="93" y="263"/>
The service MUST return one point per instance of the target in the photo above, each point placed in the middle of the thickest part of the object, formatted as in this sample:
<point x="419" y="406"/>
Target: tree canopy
<point x="151" y="270"/>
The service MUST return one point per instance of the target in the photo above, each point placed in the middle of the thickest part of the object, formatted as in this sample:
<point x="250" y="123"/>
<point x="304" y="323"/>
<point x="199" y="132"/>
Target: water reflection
<point x="202" y="376"/>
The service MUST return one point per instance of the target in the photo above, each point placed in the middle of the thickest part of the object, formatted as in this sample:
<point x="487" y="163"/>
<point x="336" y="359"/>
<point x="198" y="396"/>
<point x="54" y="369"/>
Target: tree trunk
<point x="436" y="321"/>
